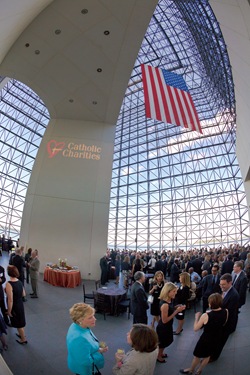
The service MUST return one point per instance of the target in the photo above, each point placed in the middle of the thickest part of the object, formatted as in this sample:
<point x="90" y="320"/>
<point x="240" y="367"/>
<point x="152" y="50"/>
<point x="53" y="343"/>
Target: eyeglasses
<point x="223" y="284"/>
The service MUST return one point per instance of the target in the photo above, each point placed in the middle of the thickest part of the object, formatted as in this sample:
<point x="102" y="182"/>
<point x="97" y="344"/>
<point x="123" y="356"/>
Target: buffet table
<point x="60" y="277"/>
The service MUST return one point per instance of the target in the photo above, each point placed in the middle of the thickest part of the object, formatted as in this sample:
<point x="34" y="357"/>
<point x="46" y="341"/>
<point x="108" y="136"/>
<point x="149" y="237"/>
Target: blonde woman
<point x="155" y="290"/>
<point x="182" y="297"/>
<point x="85" y="356"/>
<point x="164" y="328"/>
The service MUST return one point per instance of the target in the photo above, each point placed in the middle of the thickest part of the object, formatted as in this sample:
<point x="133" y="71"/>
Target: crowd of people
<point x="219" y="278"/>
<point x="7" y="244"/>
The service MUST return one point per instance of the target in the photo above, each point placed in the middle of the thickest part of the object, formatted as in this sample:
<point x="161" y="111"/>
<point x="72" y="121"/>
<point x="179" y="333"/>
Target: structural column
<point x="67" y="203"/>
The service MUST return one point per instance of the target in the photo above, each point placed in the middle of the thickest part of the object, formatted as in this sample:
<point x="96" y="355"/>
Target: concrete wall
<point x="67" y="204"/>
<point x="234" y="19"/>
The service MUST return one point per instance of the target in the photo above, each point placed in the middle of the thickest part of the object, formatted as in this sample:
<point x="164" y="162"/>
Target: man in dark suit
<point x="231" y="303"/>
<point x="104" y="269"/>
<point x="227" y="265"/>
<point x="240" y="281"/>
<point x="161" y="265"/>
<point x="210" y="285"/>
<point x="197" y="264"/>
<point x="19" y="263"/>
<point x="243" y="254"/>
<point x="175" y="271"/>
<point x="139" y="304"/>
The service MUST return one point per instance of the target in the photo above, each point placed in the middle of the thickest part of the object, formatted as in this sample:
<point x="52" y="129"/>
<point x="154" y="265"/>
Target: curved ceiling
<point x="77" y="58"/>
<point x="15" y="16"/>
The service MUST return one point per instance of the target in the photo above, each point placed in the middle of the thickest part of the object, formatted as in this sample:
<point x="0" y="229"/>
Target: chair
<point x="97" y="284"/>
<point x="100" y="304"/>
<point x="87" y="296"/>
<point x="124" y="306"/>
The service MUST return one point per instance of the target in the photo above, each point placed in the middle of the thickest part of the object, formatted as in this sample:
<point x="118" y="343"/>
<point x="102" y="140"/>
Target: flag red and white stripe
<point x="167" y="98"/>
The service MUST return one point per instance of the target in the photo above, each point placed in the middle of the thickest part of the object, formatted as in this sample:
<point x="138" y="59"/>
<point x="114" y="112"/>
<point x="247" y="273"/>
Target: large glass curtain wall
<point x="170" y="187"/>
<point x="23" y="120"/>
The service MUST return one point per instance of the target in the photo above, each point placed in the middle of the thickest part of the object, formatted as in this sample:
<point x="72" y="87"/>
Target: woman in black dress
<point x="155" y="290"/>
<point x="181" y="298"/>
<point x="15" y="293"/>
<point x="137" y="266"/>
<point x="213" y="323"/>
<point x="168" y="312"/>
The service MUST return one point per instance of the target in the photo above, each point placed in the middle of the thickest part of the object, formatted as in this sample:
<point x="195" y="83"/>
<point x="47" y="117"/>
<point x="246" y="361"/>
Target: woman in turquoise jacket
<point x="84" y="350"/>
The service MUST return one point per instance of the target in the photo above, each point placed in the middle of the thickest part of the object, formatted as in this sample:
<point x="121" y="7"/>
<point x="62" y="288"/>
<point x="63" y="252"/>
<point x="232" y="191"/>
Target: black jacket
<point x="241" y="286"/>
<point x="139" y="304"/>
<point x="227" y="266"/>
<point x="231" y="302"/>
<point x="209" y="287"/>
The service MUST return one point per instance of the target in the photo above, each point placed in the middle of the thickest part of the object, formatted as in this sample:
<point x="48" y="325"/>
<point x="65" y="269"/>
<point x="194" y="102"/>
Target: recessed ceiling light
<point x="37" y="52"/>
<point x="106" y="32"/>
<point x="99" y="70"/>
<point x="58" y="31"/>
<point x="71" y="100"/>
<point x="84" y="11"/>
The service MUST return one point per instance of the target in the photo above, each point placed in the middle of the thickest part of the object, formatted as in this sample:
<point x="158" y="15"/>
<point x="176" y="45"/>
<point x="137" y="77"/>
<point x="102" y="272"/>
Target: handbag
<point x="95" y="370"/>
<point x="150" y="299"/>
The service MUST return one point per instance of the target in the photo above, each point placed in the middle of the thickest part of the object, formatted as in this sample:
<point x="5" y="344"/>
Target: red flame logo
<point x="53" y="147"/>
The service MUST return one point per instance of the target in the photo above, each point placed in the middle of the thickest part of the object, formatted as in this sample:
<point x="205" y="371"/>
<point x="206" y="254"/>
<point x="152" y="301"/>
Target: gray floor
<point x="48" y="321"/>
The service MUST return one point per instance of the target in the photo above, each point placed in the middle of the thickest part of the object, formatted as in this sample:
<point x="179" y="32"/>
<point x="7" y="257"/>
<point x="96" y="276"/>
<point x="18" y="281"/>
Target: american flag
<point x="167" y="98"/>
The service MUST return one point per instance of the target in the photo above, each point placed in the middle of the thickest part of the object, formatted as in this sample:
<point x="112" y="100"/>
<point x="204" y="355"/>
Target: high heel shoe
<point x="182" y="371"/>
<point x="22" y="342"/>
<point x="177" y="333"/>
<point x="163" y="361"/>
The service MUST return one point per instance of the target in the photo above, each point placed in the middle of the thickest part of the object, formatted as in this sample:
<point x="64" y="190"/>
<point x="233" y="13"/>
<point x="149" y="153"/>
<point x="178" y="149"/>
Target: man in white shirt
<point x="194" y="276"/>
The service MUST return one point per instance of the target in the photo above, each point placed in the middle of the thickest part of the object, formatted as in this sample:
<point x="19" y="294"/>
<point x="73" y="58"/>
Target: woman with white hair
<point x="85" y="354"/>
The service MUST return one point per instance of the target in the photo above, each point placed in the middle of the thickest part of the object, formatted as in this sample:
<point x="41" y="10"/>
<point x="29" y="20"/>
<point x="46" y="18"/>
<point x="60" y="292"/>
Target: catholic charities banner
<point x="73" y="150"/>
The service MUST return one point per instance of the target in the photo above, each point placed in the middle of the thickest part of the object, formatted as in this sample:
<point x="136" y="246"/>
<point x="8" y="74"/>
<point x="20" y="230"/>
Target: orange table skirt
<point x="66" y="279"/>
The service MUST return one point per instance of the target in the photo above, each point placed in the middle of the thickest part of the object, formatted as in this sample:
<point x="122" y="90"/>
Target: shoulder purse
<point x="95" y="370"/>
